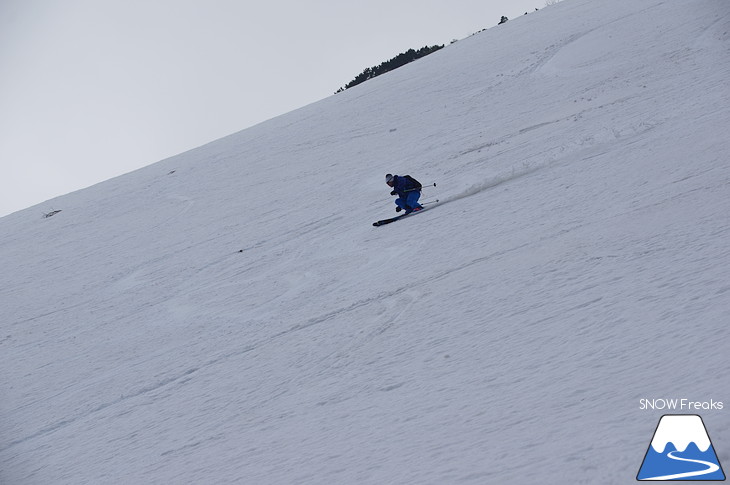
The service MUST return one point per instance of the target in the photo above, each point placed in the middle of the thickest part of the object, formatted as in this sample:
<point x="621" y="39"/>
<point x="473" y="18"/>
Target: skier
<point x="408" y="191"/>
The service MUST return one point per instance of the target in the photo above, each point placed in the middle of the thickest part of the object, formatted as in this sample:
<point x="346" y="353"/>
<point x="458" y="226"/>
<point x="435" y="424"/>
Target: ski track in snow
<point x="183" y="377"/>
<point x="491" y="183"/>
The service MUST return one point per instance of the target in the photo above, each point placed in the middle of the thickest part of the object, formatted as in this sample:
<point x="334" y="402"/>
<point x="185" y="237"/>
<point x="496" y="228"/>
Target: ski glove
<point x="394" y="193"/>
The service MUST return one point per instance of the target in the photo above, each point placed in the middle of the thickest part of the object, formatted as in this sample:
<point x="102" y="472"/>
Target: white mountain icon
<point x="680" y="430"/>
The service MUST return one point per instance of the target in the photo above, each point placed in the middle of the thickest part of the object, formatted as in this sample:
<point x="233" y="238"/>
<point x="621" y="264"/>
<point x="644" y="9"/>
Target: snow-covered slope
<point x="230" y="315"/>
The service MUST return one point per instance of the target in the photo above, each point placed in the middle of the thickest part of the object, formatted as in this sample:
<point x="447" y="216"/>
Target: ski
<point x="382" y="222"/>
<point x="393" y="219"/>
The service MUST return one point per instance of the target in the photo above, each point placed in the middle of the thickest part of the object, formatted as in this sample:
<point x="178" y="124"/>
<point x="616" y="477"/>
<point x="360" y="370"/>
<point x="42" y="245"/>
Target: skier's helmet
<point x="389" y="179"/>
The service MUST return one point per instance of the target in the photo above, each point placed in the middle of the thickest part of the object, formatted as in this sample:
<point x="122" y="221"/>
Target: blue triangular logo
<point x="681" y="450"/>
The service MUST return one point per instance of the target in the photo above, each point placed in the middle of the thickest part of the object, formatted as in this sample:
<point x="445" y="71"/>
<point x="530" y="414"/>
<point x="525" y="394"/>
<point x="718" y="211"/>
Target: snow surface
<point x="230" y="315"/>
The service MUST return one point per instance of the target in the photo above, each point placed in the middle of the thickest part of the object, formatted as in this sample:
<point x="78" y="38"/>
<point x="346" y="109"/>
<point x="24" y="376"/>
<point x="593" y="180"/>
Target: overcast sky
<point x="91" y="89"/>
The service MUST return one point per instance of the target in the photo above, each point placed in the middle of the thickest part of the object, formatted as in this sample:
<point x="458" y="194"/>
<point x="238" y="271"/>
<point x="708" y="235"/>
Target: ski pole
<point x="411" y="190"/>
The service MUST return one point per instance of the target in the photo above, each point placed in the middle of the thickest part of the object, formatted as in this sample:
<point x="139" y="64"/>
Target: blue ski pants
<point x="410" y="201"/>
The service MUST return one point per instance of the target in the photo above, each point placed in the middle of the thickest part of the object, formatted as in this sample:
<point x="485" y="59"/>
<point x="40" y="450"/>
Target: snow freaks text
<point x="680" y="405"/>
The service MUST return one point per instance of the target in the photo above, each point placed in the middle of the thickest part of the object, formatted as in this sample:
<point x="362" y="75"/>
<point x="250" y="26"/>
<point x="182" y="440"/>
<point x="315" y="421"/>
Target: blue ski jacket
<point x="404" y="185"/>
